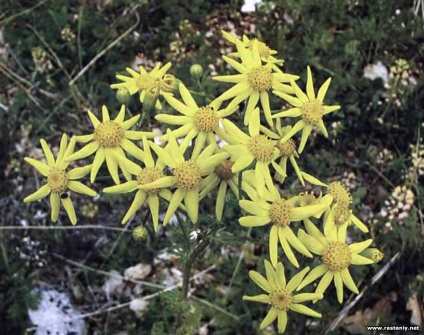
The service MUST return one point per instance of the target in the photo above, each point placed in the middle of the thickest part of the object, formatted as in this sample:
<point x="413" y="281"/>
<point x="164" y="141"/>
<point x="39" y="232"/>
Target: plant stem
<point x="189" y="263"/>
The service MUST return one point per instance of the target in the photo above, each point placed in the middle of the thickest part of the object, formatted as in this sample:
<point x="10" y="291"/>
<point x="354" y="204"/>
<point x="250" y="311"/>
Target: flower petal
<point x="153" y="201"/>
<point x="323" y="90"/>
<point x="70" y="210"/>
<point x="263" y="298"/>
<point x="138" y="201"/>
<point x="254" y="221"/>
<point x="175" y="201"/>
<point x="42" y="192"/>
<point x="317" y="272"/>
<point x="99" y="158"/>
<point x="282" y="321"/>
<point x="41" y="167"/>
<point x="86" y="151"/>
<point x="324" y="282"/>
<point x="304" y="310"/>
<point x="338" y="282"/>
<point x="297" y="279"/>
<point x="312" y="243"/>
<point x="348" y="281"/>
<point x="287" y="250"/>
<point x="302" y="297"/>
<point x="220" y="200"/>
<point x="360" y="260"/>
<point x="191" y="201"/>
<point x="127" y="187"/>
<point x="360" y="246"/>
<point x="78" y="187"/>
<point x="55" y="206"/>
<point x="260" y="281"/>
<point x="269" y="318"/>
<point x="47" y="152"/>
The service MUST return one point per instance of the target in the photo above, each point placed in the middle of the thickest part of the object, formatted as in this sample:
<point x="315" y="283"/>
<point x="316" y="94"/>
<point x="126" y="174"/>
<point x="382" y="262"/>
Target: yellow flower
<point x="279" y="295"/>
<point x="156" y="82"/>
<point x="150" y="173"/>
<point x="58" y="180"/>
<point x="108" y="141"/>
<point x="272" y="209"/>
<point x="265" y="52"/>
<point x="310" y="107"/>
<point x="336" y="258"/>
<point x="287" y="151"/>
<point x="202" y="122"/>
<point x="253" y="82"/>
<point x="224" y="177"/>
<point x="338" y="216"/>
<point x="245" y="149"/>
<point x="187" y="175"/>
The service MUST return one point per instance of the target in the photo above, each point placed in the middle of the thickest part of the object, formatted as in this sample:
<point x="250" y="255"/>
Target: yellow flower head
<point x="154" y="83"/>
<point x="272" y="209"/>
<point x="310" y="107"/>
<point x="336" y="258"/>
<point x="187" y="175"/>
<point x="197" y="122"/>
<point x="245" y="149"/>
<point x="265" y="52"/>
<point x="58" y="180"/>
<point x="253" y="82"/>
<point x="147" y="175"/>
<point x="108" y="141"/>
<point x="279" y="295"/>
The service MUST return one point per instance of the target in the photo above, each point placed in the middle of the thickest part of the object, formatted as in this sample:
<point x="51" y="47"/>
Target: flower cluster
<point x="191" y="162"/>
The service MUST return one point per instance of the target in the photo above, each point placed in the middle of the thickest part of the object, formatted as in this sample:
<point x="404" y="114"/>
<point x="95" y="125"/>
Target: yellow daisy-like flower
<point x="310" y="107"/>
<point x="187" y="175"/>
<point x="245" y="149"/>
<point x="279" y="295"/>
<point x="272" y="209"/>
<point x="108" y="141"/>
<point x="336" y="258"/>
<point x="157" y="81"/>
<point x="339" y="215"/>
<point x="287" y="151"/>
<point x="58" y="180"/>
<point x="150" y="173"/>
<point x="199" y="122"/>
<point x="265" y="52"/>
<point x="253" y="82"/>
<point x="224" y="177"/>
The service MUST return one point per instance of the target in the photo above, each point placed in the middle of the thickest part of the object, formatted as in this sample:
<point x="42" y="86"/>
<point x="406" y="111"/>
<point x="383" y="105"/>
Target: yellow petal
<point x="41" y="167"/>
<point x="295" y="242"/>
<point x="78" y="187"/>
<point x="122" y="188"/>
<point x="296" y="102"/>
<point x="235" y="90"/>
<point x="299" y="93"/>
<point x="94" y="120"/>
<point x="358" y="223"/>
<point x="62" y="148"/>
<point x="304" y="310"/>
<point x="121" y="115"/>
<point x="70" y="210"/>
<point x="273" y="245"/>
<point x="260" y="281"/>
<point x="338" y="282"/>
<point x="287" y="250"/>
<point x="311" y="179"/>
<point x="191" y="201"/>
<point x="105" y="114"/>
<point x="299" y="125"/>
<point x="317" y="272"/>
<point x="47" y="152"/>
<point x="79" y="172"/>
<point x="175" y="201"/>
<point x="112" y="166"/>
<point x="266" y="108"/>
<point x="360" y="246"/>
<point x="86" y="151"/>
<point x="220" y="200"/>
<point x="305" y="134"/>
<point x="263" y="298"/>
<point x="307" y="297"/>
<point x="166" y="181"/>
<point x="304" y="212"/>
<point x="153" y="201"/>
<point x="130" y="122"/>
<point x="270" y="275"/>
<point x="323" y="90"/>
<point x="281" y="277"/>
<point x="42" y="192"/>
<point x="254" y="221"/>
<point x="282" y="321"/>
<point x="132" y="149"/>
<point x="99" y="158"/>
<point x="312" y="243"/>
<point x="324" y="282"/>
<point x="297" y="279"/>
<point x="269" y="318"/>
<point x="348" y="281"/>
<point x="231" y="128"/>
<point x="242" y="162"/>
<point x="55" y="206"/>
<point x="360" y="260"/>
<point x="291" y="112"/>
<point x="138" y="201"/>
<point x="310" y="85"/>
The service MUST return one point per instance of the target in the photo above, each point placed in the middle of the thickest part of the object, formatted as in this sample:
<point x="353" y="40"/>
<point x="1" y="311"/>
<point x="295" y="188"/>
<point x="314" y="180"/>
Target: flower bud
<point x="196" y="71"/>
<point x="150" y="97"/>
<point x="123" y="95"/>
<point x="373" y="254"/>
<point x="169" y="83"/>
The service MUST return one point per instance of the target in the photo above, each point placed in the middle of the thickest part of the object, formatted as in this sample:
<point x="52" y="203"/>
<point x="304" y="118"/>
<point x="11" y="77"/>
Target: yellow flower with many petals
<point x="253" y="82"/>
<point x="156" y="82"/>
<point x="272" y="209"/>
<point x="287" y="151"/>
<point x="108" y="141"/>
<point x="224" y="177"/>
<point x="265" y="52"/>
<point x="245" y="149"/>
<point x="336" y="258"/>
<point x="58" y="180"/>
<point x="150" y="173"/>
<point x="199" y="122"/>
<point x="279" y="295"/>
<point x="187" y="176"/>
<point x="310" y="107"/>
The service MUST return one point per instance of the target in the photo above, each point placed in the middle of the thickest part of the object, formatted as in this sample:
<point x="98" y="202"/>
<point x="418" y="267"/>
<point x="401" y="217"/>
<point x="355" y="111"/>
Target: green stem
<point x="189" y="263"/>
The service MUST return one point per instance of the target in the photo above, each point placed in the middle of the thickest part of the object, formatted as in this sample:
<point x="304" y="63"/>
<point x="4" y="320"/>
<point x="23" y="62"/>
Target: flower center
<point x="264" y="50"/>
<point x="109" y="134"/>
<point x="287" y="148"/>
<point x="337" y="256"/>
<point x="280" y="213"/>
<point x="341" y="215"/>
<point x="312" y="111"/>
<point x="187" y="175"/>
<point x="205" y="119"/>
<point x="340" y="194"/>
<point x="144" y="81"/>
<point x="57" y="181"/>
<point x="223" y="170"/>
<point x="307" y="199"/>
<point x="281" y="299"/>
<point x="260" y="78"/>
<point x="261" y="147"/>
<point x="149" y="175"/>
